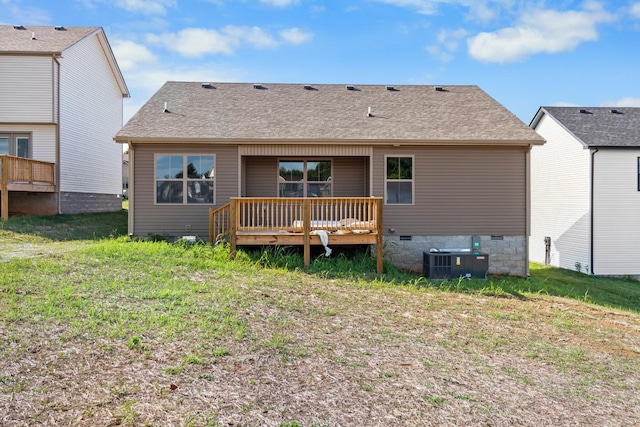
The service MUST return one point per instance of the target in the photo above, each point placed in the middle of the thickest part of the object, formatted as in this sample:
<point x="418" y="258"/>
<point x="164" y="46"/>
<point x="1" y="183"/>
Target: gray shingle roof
<point x="289" y="112"/>
<point x="599" y="126"/>
<point x="48" y="40"/>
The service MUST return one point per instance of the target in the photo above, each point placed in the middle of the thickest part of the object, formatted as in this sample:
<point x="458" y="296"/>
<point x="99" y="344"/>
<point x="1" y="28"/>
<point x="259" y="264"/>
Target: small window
<point x="304" y="178"/>
<point x="174" y="186"/>
<point x="4" y="144"/>
<point x="15" y="145"/>
<point x="399" y="180"/>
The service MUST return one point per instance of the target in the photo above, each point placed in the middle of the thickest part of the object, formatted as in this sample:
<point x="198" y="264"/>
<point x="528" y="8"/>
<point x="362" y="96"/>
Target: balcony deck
<point x="300" y="221"/>
<point x="19" y="174"/>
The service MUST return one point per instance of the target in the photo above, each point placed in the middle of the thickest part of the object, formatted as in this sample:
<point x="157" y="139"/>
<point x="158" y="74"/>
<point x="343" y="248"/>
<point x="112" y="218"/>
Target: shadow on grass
<point x="64" y="227"/>
<point x="357" y="263"/>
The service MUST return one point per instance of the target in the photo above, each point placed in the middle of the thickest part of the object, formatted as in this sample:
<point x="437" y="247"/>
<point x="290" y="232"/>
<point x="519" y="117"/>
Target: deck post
<point x="306" y="224"/>
<point x="379" y="237"/>
<point x="211" y="226"/>
<point x="4" y="193"/>
<point x="233" y="221"/>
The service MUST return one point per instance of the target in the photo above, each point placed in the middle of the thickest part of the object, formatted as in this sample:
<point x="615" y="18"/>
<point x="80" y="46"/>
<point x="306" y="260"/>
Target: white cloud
<point x="197" y="42"/>
<point x="539" y="31"/>
<point x="279" y="3"/>
<point x="146" y="7"/>
<point x="634" y="11"/>
<point x="623" y="102"/>
<point x="427" y="7"/>
<point x="130" y="54"/>
<point x="14" y="13"/>
<point x="479" y="10"/>
<point x="295" y="36"/>
<point x="447" y="44"/>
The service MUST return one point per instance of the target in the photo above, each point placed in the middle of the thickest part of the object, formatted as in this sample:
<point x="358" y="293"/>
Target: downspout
<point x="130" y="194"/>
<point x="527" y="233"/>
<point x="56" y="119"/>
<point x="591" y="199"/>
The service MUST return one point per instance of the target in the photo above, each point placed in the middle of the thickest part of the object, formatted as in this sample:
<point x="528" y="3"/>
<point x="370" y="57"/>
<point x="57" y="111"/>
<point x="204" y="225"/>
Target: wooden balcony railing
<point x="258" y="220"/>
<point x="218" y="224"/>
<point x="19" y="174"/>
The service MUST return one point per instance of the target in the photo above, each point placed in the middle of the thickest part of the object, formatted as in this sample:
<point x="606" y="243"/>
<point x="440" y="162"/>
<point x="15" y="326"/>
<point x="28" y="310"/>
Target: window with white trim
<point x="13" y="144"/>
<point x="185" y="179"/>
<point x="399" y="180"/>
<point x="304" y="178"/>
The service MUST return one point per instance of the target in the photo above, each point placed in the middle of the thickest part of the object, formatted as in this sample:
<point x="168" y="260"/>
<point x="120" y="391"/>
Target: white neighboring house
<point x="585" y="190"/>
<point x="61" y="105"/>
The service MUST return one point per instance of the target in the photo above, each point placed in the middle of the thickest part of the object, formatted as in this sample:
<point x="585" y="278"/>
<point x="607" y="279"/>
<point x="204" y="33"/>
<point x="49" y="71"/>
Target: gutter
<point x="591" y="214"/>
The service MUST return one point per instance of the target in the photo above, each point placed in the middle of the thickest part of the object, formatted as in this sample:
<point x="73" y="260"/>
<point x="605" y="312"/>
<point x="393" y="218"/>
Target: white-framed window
<point x="184" y="179"/>
<point x="304" y="178"/>
<point x="14" y="144"/>
<point x="399" y="176"/>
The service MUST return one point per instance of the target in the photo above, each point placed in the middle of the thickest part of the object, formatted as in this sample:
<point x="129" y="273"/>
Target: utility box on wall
<point x="451" y="265"/>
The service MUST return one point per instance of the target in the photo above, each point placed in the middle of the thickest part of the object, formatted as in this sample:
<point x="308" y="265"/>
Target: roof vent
<point x="309" y="87"/>
<point x="59" y="28"/>
<point x="208" y="86"/>
<point x="33" y="35"/>
<point x="19" y="27"/>
<point x="258" y="86"/>
<point x="583" y="111"/>
<point x="165" y="109"/>
<point x="438" y="89"/>
<point x="616" y="112"/>
<point x="391" y="88"/>
<point x="350" y="87"/>
<point x="369" y="114"/>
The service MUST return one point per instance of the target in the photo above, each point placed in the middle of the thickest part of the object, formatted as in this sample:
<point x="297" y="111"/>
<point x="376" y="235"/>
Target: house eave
<point x="280" y="141"/>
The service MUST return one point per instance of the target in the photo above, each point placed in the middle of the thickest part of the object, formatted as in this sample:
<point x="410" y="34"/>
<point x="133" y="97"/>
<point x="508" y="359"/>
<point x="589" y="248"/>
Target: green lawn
<point x="97" y="329"/>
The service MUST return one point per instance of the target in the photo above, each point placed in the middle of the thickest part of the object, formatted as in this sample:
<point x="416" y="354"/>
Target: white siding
<point x="26" y="88"/>
<point x="43" y="139"/>
<point x="560" y="198"/>
<point x="90" y="116"/>
<point x="616" y="212"/>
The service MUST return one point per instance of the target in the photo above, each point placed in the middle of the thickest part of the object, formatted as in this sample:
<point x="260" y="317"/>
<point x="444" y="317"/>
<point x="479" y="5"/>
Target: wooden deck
<point x="19" y="174"/>
<point x="297" y="221"/>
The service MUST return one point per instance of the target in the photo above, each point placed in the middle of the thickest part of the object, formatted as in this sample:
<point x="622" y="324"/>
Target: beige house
<point x="409" y="168"/>
<point x="61" y="105"/>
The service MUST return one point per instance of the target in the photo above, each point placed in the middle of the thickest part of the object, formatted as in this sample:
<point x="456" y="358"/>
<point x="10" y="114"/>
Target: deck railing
<point x="19" y="174"/>
<point x="254" y="214"/>
<point x="219" y="220"/>
<point x="245" y="216"/>
<point x="18" y="169"/>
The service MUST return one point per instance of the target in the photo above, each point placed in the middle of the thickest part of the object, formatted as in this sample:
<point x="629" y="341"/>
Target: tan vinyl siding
<point x="90" y="116"/>
<point x="349" y="176"/>
<point x="26" y="88"/>
<point x="171" y="220"/>
<point x="458" y="191"/>
<point x="261" y="174"/>
<point x="616" y="208"/>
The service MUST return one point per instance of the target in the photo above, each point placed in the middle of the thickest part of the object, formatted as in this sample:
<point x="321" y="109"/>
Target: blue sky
<point x="524" y="54"/>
